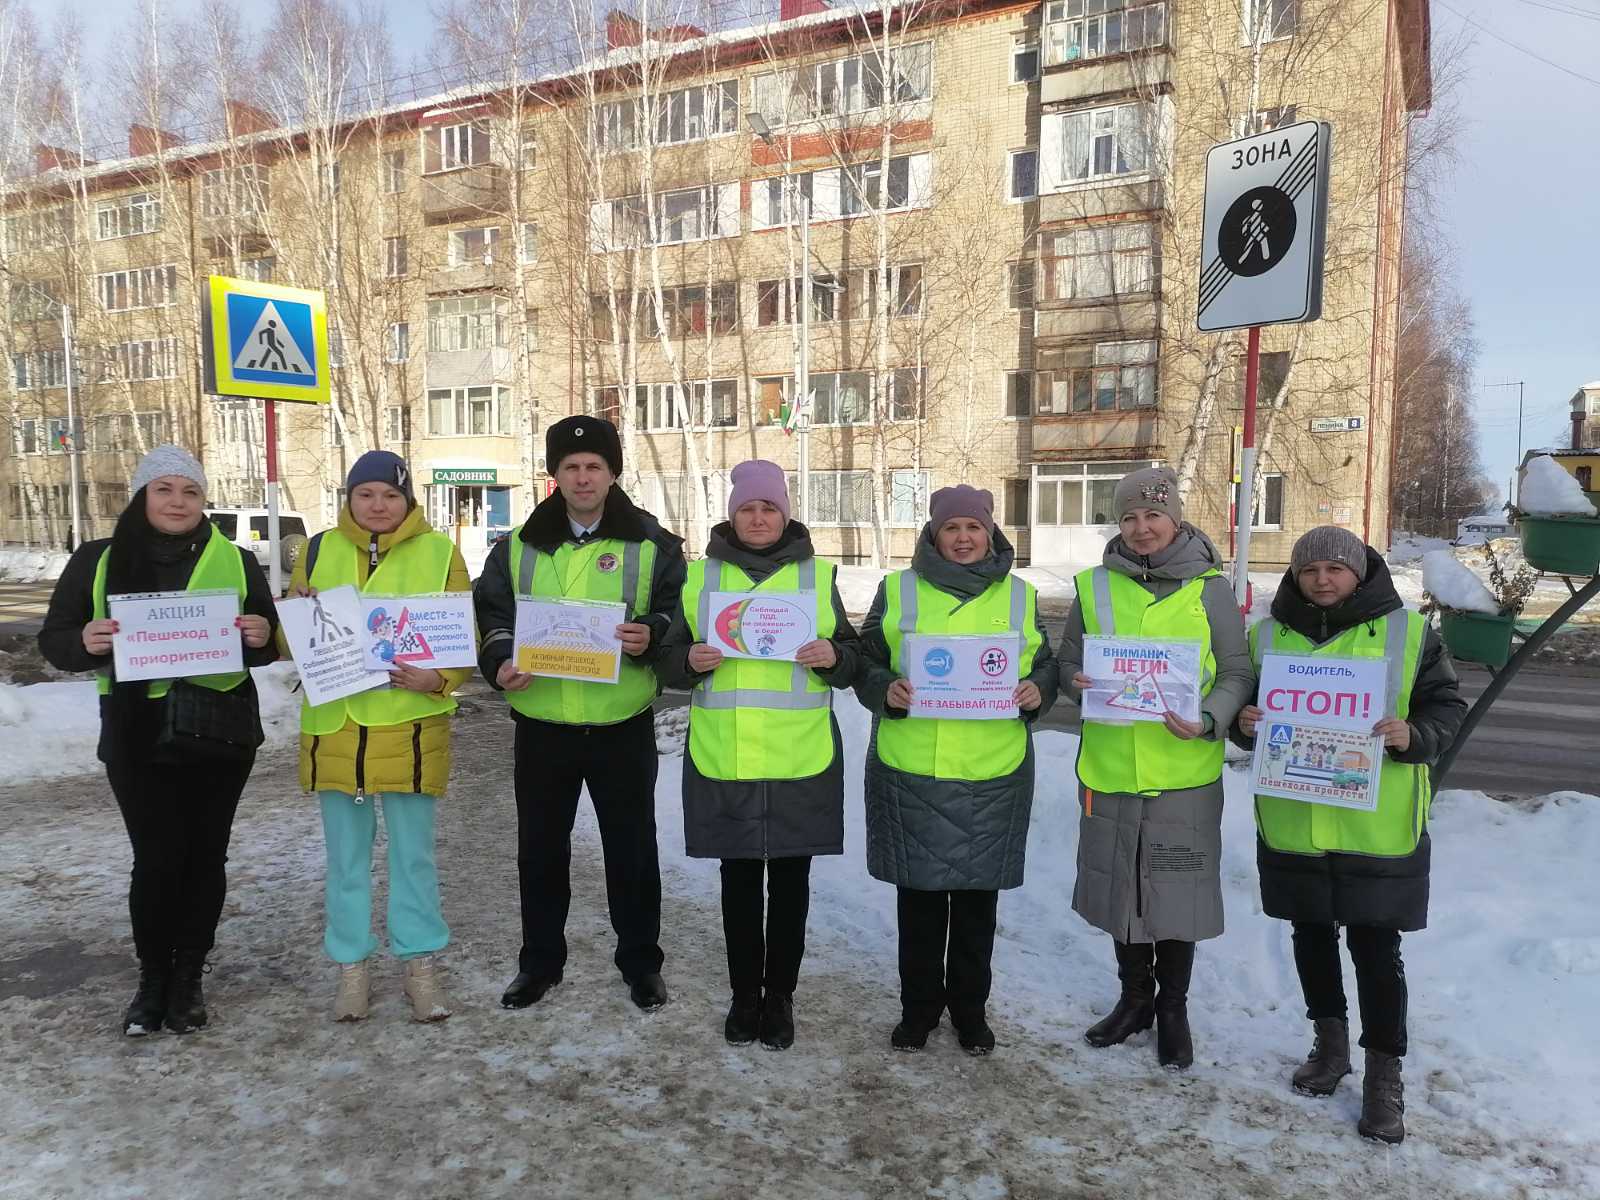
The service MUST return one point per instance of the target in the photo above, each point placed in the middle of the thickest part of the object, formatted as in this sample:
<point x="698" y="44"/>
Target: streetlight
<point x="1516" y="474"/>
<point x="794" y="201"/>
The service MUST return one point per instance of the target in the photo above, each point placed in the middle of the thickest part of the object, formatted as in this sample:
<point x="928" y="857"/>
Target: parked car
<point x="247" y="529"/>
<point x="1473" y="531"/>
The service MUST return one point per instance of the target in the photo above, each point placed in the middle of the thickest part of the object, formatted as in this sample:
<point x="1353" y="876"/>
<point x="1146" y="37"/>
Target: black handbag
<point x="202" y="723"/>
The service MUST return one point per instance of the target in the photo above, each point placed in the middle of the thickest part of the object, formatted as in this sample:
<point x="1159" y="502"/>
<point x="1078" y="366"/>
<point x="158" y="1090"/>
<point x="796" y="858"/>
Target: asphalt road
<point x="1542" y="735"/>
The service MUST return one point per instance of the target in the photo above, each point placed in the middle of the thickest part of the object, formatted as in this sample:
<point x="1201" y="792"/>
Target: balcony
<point x="246" y="229"/>
<point x="1115" y="317"/>
<point x="468" y="368"/>
<point x="1087" y="79"/>
<point x="1081" y="201"/>
<point x="465" y="191"/>
<point x="1134" y="432"/>
<point x="470" y="277"/>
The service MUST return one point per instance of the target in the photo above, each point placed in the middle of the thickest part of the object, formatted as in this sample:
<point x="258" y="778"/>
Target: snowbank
<point x="32" y="566"/>
<point x="51" y="729"/>
<point x="1408" y="548"/>
<point x="1454" y="585"/>
<point x="1547" y="490"/>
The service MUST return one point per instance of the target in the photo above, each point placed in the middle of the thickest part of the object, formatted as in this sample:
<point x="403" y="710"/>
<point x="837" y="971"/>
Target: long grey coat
<point x="1149" y="867"/>
<point x="946" y="834"/>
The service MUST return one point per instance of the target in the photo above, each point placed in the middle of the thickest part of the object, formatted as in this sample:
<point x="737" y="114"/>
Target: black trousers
<point x="179" y="819"/>
<point x="946" y="940"/>
<point x="1380" y="980"/>
<point x="618" y="763"/>
<point x="767" y="961"/>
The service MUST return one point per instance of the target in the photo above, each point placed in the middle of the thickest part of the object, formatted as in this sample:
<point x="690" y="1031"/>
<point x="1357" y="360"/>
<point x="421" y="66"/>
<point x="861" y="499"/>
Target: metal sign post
<point x="1265" y="220"/>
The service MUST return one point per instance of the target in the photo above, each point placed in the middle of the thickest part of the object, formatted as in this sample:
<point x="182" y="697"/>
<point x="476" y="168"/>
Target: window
<point x="841" y="398"/>
<point x="687" y="310"/>
<point x="259" y="269"/>
<point x="335" y="345"/>
<point x="147" y="287"/>
<point x="396" y="424"/>
<point x="1267" y="512"/>
<point x="1078" y="493"/>
<point x="469" y="411"/>
<point x="1104" y="377"/>
<point x="470" y="247"/>
<point x="860" y="292"/>
<point x="908" y="497"/>
<point x="839" y="497"/>
<point x="394" y="257"/>
<point x="1585" y="478"/>
<point x="328" y="180"/>
<point x="394" y="171"/>
<point x="1106" y="260"/>
<point x="38" y="230"/>
<point x="27" y="436"/>
<point x="241" y="190"/>
<point x="527" y="146"/>
<point x="127" y="216"/>
<point x="1080" y="29"/>
<point x="40" y="369"/>
<point x="237" y="423"/>
<point x="1266" y="119"/>
<point x="398" y="342"/>
<point x="1269" y="19"/>
<point x="530" y="330"/>
<point x="1017" y="503"/>
<point x="708" y="403"/>
<point x="133" y="361"/>
<point x="778" y="300"/>
<point x="1096" y="143"/>
<point x="1019" y="286"/>
<point x="110" y="499"/>
<point x="687" y="115"/>
<point x="846" y="86"/>
<point x="115" y="432"/>
<point x="906" y="394"/>
<point x="1019" y="394"/>
<point x="1025" y="63"/>
<point x="527" y="243"/>
<point x="451" y="147"/>
<point x="39" y="300"/>
<point x="465" y="323"/>
<point x="1274" y="371"/>
<point x="772" y="198"/>
<point x="867" y="187"/>
<point x="1023" y="175"/>
<point x="689" y="215"/>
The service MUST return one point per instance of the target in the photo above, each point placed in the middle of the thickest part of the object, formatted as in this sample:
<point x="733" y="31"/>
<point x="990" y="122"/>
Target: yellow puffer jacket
<point x="414" y="757"/>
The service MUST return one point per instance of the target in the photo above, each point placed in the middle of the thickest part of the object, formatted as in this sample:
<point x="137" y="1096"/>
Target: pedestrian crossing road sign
<point x="265" y="341"/>
<point x="1266" y="212"/>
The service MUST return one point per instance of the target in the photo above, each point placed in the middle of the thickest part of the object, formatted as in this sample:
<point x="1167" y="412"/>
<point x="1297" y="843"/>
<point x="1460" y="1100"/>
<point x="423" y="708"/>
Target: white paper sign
<point x="965" y="677"/>
<point x="421" y="631"/>
<point x="172" y="635"/>
<point x="325" y="637"/>
<point x="761" y="624"/>
<point x="1140" y="679"/>
<point x="569" y="639"/>
<point x="1315" y="740"/>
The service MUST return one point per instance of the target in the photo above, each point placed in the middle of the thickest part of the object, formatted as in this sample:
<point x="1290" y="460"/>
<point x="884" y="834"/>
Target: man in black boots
<point x="586" y="542"/>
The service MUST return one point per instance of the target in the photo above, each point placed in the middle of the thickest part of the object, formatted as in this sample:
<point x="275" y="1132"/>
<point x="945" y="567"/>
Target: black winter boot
<point x="777" y="1021"/>
<point x="1383" y="1100"/>
<point x="1135" y="1008"/>
<point x="149" y="1007"/>
<point x="744" y="1020"/>
<point x="186" y="1001"/>
<point x="912" y="1032"/>
<point x="1329" y="1061"/>
<point x="973" y="1032"/>
<point x="1174" y="964"/>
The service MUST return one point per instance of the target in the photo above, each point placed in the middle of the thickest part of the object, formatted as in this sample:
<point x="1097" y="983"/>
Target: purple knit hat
<point x="963" y="501"/>
<point x="759" y="479"/>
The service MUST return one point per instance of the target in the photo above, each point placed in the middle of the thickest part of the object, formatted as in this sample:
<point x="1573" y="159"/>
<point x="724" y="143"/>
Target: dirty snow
<point x="584" y="1096"/>
<point x="19" y="565"/>
<point x="1547" y="490"/>
<point x="1454" y="585"/>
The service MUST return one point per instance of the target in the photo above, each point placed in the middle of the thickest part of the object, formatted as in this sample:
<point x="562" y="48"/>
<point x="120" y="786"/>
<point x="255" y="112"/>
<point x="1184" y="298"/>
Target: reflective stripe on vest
<point x="943" y="747"/>
<point x="418" y="566"/>
<point x="575" y="572"/>
<point x="1142" y="756"/>
<point x="218" y="569"/>
<point x="1404" y="789"/>
<point x="760" y="720"/>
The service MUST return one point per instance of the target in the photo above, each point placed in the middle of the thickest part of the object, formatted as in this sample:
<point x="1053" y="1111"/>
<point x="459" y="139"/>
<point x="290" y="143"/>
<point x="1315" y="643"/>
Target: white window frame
<point x="127" y="216"/>
<point x="1013" y="269"/>
<point x="397" y="342"/>
<point x="1259" y="511"/>
<point x="396" y="425"/>
<point x="139" y="287"/>
<point x="229" y="191"/>
<point x="1011" y="175"/>
<point x="679" y="120"/>
<point x="1053" y="474"/>
<point x="1021" y="50"/>
<point x="1249" y="18"/>
<point x="459" y="256"/>
<point x="456" y="147"/>
<point x="625" y="222"/>
<point x="528" y="243"/>
<point x="460" y="404"/>
<point x="396" y="257"/>
<point x="38" y="230"/>
<point x="527" y="146"/>
<point x="1129" y="367"/>
<point x="1121" y="133"/>
<point x="127" y="361"/>
<point x="843" y="87"/>
<point x="1082" y="30"/>
<point x="1128" y="267"/>
<point x="474" y="322"/>
<point x="394" y="172"/>
<point x="1008" y="382"/>
<point x="259" y="269"/>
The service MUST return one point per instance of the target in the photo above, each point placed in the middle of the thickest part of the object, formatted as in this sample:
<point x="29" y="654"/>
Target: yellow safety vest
<point x="418" y="566"/>
<point x="606" y="569"/>
<point x="940" y="747"/>
<point x="1142" y="756"/>
<point x="760" y="720"/>
<point x="219" y="569"/>
<point x="1404" y="789"/>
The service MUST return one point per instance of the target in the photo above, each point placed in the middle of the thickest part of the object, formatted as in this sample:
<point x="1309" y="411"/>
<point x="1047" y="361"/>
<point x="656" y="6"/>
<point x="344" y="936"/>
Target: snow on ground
<point x="584" y="1096"/>
<point x="19" y="565"/>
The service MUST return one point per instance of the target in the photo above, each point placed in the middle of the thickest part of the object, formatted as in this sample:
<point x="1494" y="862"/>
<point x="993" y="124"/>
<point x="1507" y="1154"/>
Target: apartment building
<point x="999" y="202"/>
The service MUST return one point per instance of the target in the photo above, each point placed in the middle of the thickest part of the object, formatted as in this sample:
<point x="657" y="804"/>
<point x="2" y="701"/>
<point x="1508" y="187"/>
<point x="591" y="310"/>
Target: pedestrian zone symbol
<point x="268" y="348"/>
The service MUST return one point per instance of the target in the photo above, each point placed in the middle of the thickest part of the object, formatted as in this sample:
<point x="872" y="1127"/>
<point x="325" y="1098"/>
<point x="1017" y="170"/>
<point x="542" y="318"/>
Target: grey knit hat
<point x="169" y="460"/>
<point x="1329" y="543"/>
<point x="1154" y="488"/>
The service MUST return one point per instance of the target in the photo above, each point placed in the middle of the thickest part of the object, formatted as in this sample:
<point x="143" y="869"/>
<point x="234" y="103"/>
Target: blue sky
<point x="1524" y="210"/>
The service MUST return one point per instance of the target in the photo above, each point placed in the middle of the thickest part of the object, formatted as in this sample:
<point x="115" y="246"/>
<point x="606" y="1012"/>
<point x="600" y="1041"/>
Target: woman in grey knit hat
<point x="1150" y="834"/>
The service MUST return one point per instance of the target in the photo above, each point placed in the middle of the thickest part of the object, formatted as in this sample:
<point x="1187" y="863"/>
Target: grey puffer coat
<point x="946" y="834"/>
<point x="762" y="818"/>
<point x="1149" y="866"/>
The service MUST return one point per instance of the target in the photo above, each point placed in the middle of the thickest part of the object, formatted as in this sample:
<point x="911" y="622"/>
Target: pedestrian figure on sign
<point x="268" y="337"/>
<point x="326" y="628"/>
<point x="1255" y="230"/>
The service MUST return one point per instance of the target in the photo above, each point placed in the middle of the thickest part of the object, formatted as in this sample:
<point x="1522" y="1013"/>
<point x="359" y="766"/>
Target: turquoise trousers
<point x="416" y="924"/>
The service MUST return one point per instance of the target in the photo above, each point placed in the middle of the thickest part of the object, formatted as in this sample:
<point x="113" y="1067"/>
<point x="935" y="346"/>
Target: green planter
<point x="1477" y="637"/>
<point x="1561" y="545"/>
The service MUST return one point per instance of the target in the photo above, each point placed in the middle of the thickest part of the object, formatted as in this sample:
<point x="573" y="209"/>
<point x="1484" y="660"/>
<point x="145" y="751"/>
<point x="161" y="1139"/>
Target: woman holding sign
<point x="392" y="742"/>
<point x="1326" y="865"/>
<point x="1150" y="783"/>
<point x="177" y="752"/>
<point x="948" y="796"/>
<point x="763" y="778"/>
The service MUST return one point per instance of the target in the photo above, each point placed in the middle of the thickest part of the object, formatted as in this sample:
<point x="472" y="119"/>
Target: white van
<point x="1484" y="527"/>
<point x="247" y="529"/>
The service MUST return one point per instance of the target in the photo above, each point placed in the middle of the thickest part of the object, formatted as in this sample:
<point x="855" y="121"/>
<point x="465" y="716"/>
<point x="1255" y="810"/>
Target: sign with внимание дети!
<point x="1263" y="229"/>
<point x="264" y="341"/>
